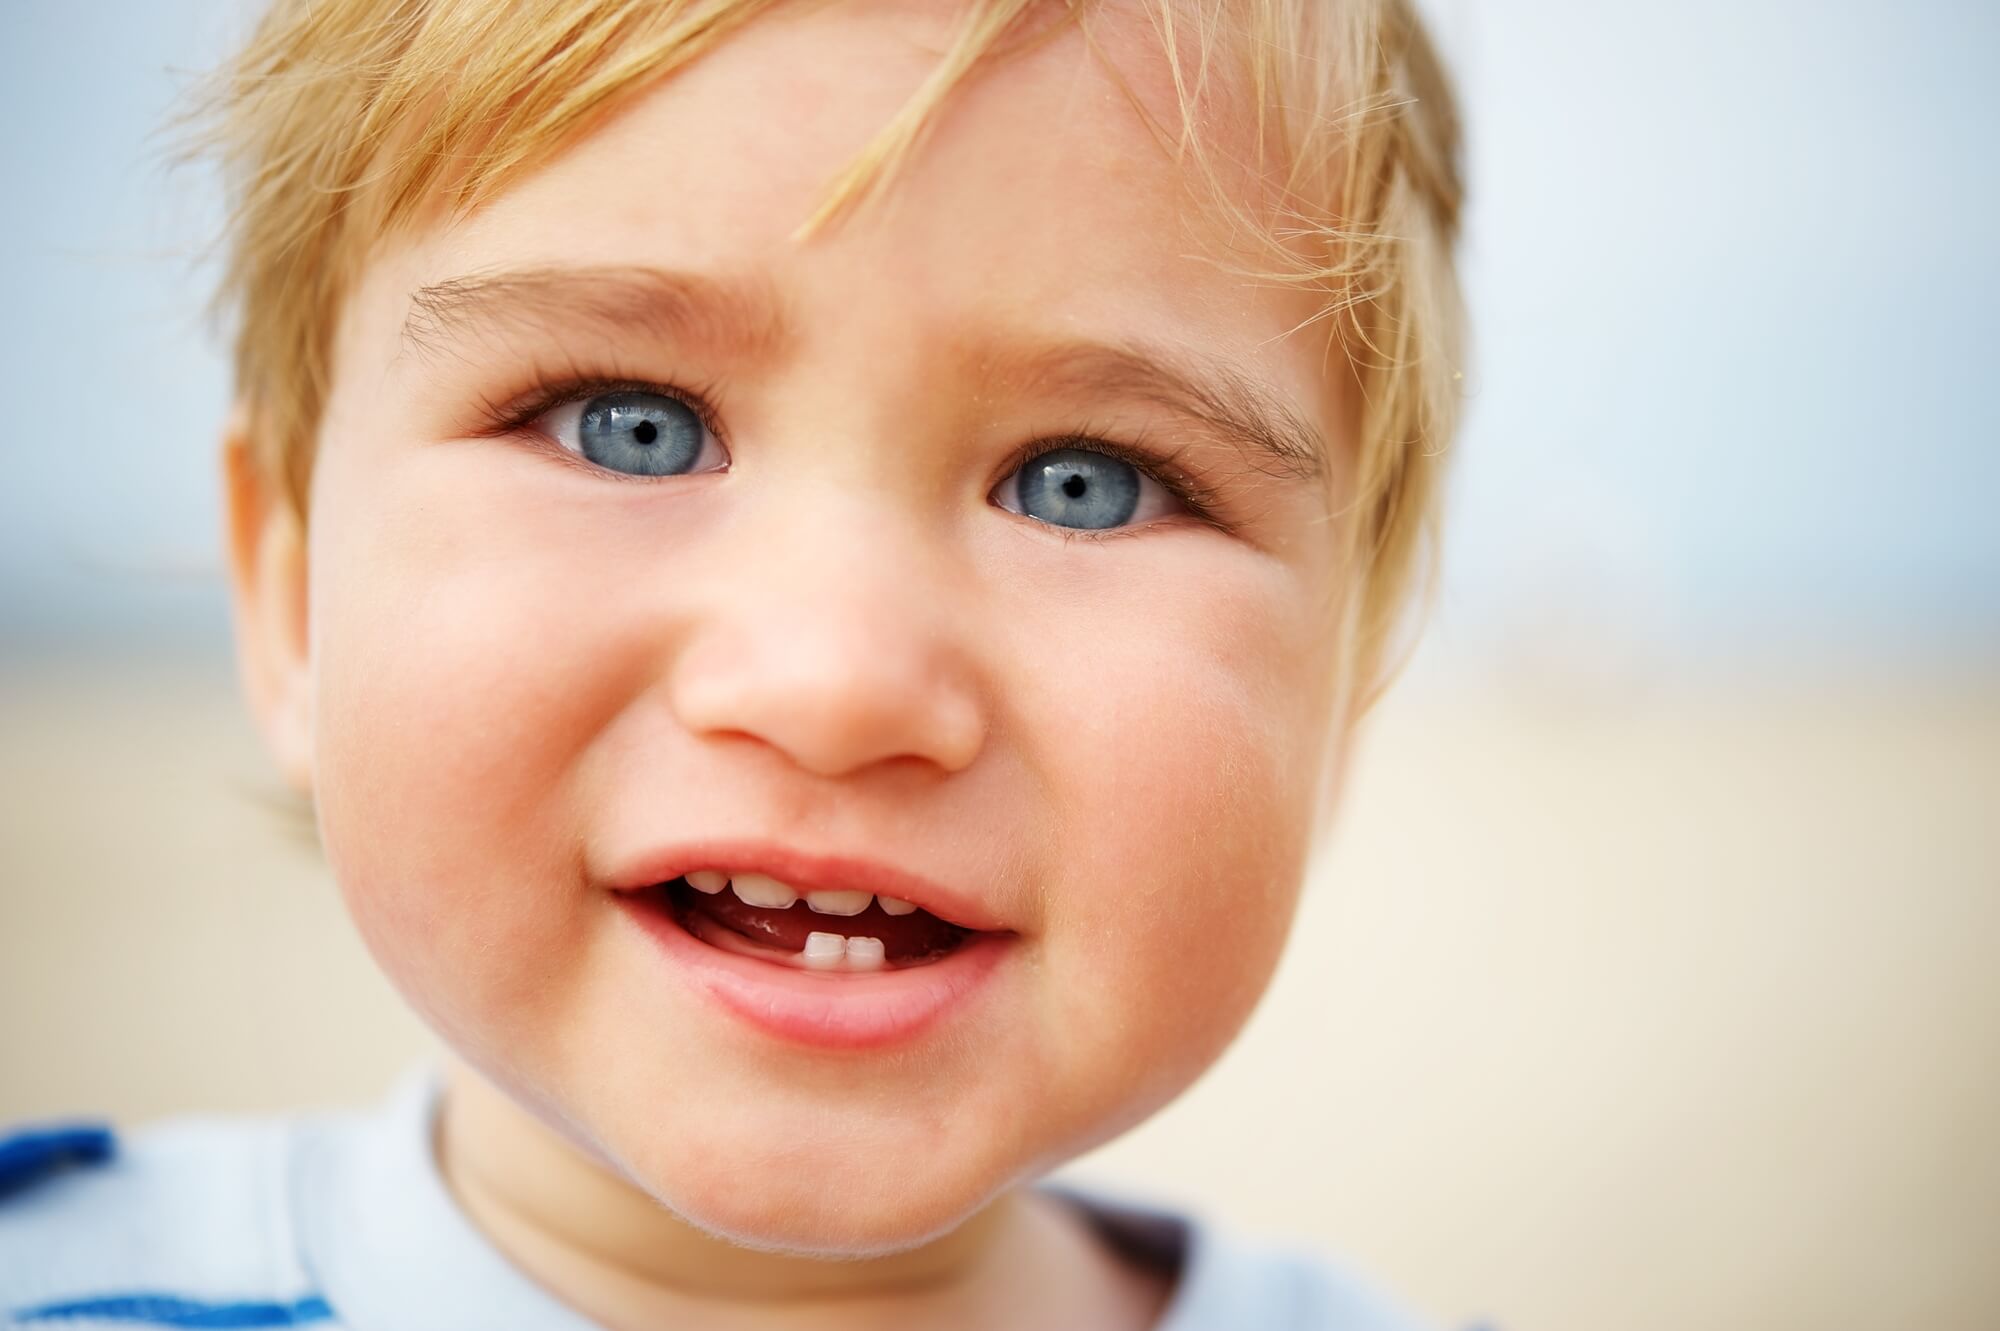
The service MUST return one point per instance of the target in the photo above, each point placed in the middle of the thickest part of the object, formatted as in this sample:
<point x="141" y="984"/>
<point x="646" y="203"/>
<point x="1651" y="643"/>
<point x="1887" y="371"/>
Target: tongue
<point x="909" y="937"/>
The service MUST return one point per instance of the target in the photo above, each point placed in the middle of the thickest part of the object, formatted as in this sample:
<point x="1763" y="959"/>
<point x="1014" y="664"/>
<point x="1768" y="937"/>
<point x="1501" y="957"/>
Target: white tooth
<point x="825" y="952"/>
<point x="710" y="881"/>
<point x="839" y="903"/>
<point x="754" y="889"/>
<point x="865" y="954"/>
<point x="896" y="906"/>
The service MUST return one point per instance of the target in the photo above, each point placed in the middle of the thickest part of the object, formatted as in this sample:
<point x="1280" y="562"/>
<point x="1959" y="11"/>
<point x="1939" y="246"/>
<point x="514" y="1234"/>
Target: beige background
<point x="1633" y="1006"/>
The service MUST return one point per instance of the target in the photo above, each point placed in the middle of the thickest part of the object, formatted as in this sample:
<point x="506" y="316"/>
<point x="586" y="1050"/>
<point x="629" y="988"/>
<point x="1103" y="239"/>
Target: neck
<point x="610" y="1250"/>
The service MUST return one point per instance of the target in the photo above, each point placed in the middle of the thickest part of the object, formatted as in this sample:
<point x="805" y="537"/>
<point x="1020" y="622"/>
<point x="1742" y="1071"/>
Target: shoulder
<point x="1226" y="1280"/>
<point x="180" y="1220"/>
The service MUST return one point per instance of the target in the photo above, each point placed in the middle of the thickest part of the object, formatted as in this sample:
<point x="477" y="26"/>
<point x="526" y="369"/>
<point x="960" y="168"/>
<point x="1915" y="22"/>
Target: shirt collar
<point x="389" y="1245"/>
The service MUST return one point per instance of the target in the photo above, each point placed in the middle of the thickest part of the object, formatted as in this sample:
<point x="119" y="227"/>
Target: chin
<point x="816" y="1198"/>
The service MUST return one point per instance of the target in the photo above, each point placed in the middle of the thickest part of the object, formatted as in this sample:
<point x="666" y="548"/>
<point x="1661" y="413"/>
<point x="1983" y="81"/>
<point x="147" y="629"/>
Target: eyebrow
<point x="1274" y="437"/>
<point x="734" y="316"/>
<point x="745" y="318"/>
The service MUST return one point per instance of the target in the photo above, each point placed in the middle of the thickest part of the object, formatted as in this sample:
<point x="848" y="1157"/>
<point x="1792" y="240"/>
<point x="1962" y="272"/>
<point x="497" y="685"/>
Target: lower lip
<point x="828" y="1010"/>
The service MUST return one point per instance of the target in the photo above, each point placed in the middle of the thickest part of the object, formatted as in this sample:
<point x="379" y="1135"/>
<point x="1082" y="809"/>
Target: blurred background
<point x="1653" y="980"/>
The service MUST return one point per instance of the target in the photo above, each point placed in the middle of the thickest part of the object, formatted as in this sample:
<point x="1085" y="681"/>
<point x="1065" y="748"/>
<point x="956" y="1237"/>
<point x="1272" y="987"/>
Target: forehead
<point x="1039" y="207"/>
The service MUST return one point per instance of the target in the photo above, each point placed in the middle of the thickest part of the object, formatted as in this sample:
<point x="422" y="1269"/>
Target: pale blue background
<point x="1731" y="264"/>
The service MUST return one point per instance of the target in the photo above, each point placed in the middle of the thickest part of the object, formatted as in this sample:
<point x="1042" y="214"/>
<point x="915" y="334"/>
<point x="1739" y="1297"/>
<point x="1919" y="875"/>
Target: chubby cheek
<point x="1187" y="788"/>
<point x="453" y="692"/>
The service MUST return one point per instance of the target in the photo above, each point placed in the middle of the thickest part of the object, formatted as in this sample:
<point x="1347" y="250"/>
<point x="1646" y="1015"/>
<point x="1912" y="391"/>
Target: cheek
<point x="1187" y="785"/>
<point x="454" y="688"/>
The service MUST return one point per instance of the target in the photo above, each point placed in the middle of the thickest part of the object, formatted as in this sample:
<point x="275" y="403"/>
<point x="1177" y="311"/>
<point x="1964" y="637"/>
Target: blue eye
<point x="638" y="433"/>
<point x="1079" y="487"/>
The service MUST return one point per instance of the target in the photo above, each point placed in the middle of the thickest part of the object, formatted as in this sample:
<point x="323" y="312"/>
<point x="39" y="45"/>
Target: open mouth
<point x="755" y="915"/>
<point x="821" y="960"/>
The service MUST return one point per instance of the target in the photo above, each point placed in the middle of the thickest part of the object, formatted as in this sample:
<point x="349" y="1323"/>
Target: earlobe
<point x="267" y="584"/>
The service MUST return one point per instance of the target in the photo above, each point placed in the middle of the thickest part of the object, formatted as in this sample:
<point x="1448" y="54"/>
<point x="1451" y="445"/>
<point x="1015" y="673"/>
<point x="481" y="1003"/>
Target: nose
<point x="835" y="645"/>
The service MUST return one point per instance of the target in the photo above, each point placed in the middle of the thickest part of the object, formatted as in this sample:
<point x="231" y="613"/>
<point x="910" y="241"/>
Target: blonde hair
<point x="342" y="121"/>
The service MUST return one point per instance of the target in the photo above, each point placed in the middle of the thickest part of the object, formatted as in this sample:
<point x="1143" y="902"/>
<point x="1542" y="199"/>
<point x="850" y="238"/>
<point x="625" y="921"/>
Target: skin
<point x="500" y="674"/>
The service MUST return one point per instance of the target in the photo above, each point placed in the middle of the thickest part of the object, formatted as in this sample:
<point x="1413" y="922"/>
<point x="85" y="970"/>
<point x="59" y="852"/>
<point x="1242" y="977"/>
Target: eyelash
<point x="520" y="411"/>
<point x="517" y="413"/>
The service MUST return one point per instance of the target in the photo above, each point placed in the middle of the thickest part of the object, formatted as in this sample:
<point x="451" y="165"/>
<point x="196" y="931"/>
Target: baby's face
<point x="651" y="547"/>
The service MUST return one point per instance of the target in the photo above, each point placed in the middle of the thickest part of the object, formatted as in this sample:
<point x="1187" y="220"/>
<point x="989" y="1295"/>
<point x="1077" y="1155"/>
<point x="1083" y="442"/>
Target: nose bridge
<point x="832" y="638"/>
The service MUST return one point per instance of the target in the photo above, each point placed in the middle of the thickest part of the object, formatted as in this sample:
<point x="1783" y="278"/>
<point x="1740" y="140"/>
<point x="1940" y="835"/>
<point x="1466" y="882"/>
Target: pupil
<point x="1074" y="487"/>
<point x="645" y="432"/>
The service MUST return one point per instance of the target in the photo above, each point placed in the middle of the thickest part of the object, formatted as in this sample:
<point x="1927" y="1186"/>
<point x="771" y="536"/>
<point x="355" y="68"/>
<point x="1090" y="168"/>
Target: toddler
<point x="817" y="563"/>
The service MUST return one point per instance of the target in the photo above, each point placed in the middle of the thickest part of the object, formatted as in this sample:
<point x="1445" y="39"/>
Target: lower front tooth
<point x="865" y="954"/>
<point x="825" y="952"/>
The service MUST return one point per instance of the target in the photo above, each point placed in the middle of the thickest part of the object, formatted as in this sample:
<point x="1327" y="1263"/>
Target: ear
<point x="267" y="592"/>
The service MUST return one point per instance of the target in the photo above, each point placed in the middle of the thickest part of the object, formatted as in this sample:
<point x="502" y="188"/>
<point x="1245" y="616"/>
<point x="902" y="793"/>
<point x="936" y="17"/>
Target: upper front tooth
<point x="710" y="881"/>
<point x="839" y="903"/>
<point x="755" y="889"/>
<point x="896" y="906"/>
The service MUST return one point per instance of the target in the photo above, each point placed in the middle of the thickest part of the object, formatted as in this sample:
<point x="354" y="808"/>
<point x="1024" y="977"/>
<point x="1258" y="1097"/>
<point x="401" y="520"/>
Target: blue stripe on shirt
<point x="166" y="1310"/>
<point x="29" y="1155"/>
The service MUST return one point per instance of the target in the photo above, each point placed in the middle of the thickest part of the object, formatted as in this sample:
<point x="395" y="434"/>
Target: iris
<point x="1074" y="487"/>
<point x="644" y="434"/>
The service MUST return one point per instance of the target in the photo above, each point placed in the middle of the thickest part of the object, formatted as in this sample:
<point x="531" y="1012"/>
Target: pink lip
<point x="808" y="873"/>
<point x="830" y="1010"/>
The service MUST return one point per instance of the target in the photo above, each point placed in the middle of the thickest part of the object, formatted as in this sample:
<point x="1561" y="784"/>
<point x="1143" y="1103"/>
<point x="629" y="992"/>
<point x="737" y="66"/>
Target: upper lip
<point x="807" y="872"/>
